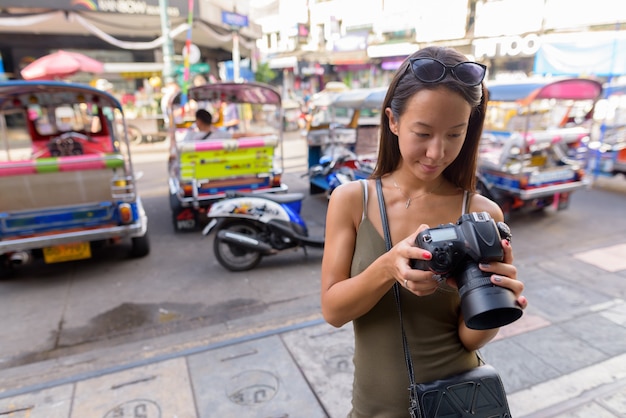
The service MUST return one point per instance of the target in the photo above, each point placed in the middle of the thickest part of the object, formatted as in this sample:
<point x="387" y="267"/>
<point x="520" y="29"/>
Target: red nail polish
<point x="427" y="256"/>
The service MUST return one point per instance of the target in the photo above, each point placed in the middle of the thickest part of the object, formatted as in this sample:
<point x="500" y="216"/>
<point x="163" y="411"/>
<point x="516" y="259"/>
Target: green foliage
<point x="264" y="73"/>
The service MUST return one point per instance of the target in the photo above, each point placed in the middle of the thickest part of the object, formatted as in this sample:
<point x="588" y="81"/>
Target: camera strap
<point x="414" y="409"/>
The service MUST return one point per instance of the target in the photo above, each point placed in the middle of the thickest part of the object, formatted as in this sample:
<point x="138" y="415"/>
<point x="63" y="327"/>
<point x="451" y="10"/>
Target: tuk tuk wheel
<point x="7" y="270"/>
<point x="134" y="135"/>
<point x="233" y="257"/>
<point x="562" y="201"/>
<point x="174" y="202"/>
<point x="140" y="246"/>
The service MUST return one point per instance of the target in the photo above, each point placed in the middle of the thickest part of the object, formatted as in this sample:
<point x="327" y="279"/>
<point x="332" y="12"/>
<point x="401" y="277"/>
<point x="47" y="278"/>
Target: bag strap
<point x="396" y="286"/>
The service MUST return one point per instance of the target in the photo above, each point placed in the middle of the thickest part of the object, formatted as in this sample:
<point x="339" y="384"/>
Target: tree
<point x="264" y="73"/>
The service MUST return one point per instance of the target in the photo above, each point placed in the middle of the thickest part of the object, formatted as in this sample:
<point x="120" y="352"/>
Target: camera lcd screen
<point x="444" y="234"/>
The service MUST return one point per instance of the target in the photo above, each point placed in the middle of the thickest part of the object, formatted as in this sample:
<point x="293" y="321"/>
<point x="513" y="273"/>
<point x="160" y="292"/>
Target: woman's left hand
<point x="505" y="274"/>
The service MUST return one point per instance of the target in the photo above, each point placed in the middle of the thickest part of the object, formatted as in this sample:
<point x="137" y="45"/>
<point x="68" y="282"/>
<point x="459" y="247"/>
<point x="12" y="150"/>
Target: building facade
<point x="126" y="35"/>
<point x="362" y="43"/>
<point x="311" y="42"/>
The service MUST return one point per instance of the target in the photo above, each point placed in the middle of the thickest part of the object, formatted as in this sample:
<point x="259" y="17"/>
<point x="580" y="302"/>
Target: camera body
<point x="456" y="251"/>
<point x="475" y="236"/>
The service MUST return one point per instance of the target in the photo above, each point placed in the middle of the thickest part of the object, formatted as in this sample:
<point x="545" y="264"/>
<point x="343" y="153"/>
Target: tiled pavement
<point x="299" y="372"/>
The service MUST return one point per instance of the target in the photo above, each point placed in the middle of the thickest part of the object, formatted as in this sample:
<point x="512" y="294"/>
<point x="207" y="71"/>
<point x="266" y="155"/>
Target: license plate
<point x="538" y="161"/>
<point x="551" y="176"/>
<point x="67" y="252"/>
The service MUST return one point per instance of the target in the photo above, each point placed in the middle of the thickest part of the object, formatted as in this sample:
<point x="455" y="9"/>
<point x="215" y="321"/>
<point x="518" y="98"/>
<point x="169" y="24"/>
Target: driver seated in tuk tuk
<point x="203" y="128"/>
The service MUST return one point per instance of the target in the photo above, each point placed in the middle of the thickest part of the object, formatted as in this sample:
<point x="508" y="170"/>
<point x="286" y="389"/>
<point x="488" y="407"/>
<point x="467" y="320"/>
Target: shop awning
<point x="349" y="57"/>
<point x="283" y="62"/>
<point x="592" y="53"/>
<point x="134" y="69"/>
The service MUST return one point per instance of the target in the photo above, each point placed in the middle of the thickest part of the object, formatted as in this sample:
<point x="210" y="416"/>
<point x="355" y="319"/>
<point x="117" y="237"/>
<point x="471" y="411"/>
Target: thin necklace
<point x="409" y="198"/>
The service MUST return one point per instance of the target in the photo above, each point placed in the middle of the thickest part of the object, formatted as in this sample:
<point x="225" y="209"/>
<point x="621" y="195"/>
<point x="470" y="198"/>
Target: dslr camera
<point x="457" y="249"/>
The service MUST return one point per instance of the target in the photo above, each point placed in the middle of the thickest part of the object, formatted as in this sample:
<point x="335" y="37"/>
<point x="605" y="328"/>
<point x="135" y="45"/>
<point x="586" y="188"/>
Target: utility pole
<point x="236" y="53"/>
<point x="168" y="44"/>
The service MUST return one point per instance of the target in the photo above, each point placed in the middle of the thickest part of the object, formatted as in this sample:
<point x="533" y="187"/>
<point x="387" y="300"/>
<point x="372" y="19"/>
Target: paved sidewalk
<point x="302" y="369"/>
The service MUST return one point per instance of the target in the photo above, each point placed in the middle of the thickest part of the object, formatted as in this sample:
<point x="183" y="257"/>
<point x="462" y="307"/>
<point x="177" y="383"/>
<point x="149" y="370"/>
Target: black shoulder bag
<point x="477" y="393"/>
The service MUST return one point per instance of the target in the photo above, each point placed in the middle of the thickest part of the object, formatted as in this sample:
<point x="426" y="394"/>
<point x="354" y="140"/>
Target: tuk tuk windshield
<point x="241" y="109"/>
<point x="358" y="107"/>
<point x="34" y="122"/>
<point x="345" y="115"/>
<point x="77" y="117"/>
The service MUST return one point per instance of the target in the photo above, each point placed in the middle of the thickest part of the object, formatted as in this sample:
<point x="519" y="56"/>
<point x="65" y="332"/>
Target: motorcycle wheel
<point x="233" y="257"/>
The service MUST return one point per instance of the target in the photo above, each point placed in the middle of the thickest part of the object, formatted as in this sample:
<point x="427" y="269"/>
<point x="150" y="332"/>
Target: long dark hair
<point x="462" y="171"/>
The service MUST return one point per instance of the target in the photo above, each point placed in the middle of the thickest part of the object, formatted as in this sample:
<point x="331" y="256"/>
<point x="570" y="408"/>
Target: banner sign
<point x="133" y="7"/>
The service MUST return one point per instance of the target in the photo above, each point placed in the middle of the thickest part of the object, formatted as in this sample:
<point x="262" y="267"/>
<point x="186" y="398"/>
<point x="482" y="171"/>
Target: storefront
<point x="123" y="31"/>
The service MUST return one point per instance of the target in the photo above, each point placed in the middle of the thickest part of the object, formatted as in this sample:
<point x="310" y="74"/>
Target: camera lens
<point x="483" y="304"/>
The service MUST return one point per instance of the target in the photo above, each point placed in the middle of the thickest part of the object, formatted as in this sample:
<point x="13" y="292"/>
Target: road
<point x="51" y="311"/>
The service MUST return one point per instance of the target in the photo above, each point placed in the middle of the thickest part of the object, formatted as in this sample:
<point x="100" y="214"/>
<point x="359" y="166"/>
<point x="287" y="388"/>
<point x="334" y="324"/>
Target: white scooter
<point x="249" y="226"/>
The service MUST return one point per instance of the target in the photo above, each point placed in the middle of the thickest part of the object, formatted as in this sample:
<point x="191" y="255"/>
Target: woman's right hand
<point x="418" y="282"/>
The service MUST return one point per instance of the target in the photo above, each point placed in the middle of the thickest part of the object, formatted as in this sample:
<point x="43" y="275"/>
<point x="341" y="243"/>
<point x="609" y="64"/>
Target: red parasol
<point x="59" y="65"/>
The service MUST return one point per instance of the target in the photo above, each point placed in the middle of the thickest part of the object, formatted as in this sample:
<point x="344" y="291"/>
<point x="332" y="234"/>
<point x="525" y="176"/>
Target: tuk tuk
<point x="250" y="159"/>
<point x="348" y="140"/>
<point x="533" y="150"/>
<point x="607" y="148"/>
<point x="66" y="176"/>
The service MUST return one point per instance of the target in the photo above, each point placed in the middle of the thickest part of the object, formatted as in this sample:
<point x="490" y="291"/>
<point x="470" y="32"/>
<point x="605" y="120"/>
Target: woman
<point x="430" y="130"/>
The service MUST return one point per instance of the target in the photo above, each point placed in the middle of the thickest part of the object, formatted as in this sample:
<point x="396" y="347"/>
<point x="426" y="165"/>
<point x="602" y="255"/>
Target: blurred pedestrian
<point x="203" y="128"/>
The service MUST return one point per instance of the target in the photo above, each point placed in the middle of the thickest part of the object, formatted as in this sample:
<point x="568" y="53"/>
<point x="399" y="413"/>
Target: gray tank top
<point x="431" y="326"/>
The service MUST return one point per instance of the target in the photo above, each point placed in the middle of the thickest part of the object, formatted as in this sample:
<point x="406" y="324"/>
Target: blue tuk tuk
<point x="67" y="182"/>
<point x="534" y="146"/>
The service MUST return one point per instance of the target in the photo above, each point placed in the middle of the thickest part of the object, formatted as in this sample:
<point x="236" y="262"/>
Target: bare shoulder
<point x="347" y="194"/>
<point x="480" y="203"/>
<point x="347" y="199"/>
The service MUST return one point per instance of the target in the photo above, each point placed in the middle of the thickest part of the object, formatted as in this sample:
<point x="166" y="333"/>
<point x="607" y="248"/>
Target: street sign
<point x="198" y="68"/>
<point x="234" y="19"/>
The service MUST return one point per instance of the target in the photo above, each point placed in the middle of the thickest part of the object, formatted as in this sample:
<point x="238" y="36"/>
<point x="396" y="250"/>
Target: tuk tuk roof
<point x="560" y="89"/>
<point x="246" y="92"/>
<point x="371" y="98"/>
<point x="323" y="98"/>
<point x="18" y="94"/>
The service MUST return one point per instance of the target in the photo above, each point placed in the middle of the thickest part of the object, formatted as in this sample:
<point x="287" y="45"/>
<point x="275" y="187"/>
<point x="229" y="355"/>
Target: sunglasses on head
<point x="430" y="70"/>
